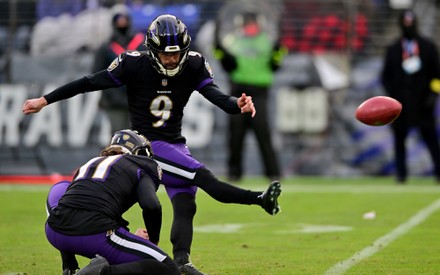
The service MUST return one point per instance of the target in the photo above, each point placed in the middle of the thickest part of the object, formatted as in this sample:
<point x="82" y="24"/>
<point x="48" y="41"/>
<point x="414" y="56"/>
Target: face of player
<point x="170" y="61"/>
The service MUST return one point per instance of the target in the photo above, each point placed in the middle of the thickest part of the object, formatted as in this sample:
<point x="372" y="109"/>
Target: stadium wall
<point x="312" y="100"/>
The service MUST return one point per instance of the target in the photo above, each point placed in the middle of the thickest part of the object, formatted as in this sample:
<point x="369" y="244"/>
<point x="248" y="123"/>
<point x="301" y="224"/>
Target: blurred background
<point x="335" y="56"/>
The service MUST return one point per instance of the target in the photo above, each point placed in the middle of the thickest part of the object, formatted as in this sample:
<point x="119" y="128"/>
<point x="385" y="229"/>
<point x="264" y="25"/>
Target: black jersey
<point x="102" y="190"/>
<point x="156" y="101"/>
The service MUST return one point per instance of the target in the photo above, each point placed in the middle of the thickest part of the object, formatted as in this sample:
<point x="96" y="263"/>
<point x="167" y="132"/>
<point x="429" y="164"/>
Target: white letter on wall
<point x="46" y="122"/>
<point x="12" y="98"/>
<point x="82" y="112"/>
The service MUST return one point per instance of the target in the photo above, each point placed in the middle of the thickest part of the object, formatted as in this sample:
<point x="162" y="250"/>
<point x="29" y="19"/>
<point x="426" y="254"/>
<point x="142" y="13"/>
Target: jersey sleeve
<point x="113" y="76"/>
<point x="225" y="102"/>
<point x="90" y="83"/>
<point x="207" y="88"/>
<point x="151" y="207"/>
<point x="201" y="69"/>
<point x="150" y="168"/>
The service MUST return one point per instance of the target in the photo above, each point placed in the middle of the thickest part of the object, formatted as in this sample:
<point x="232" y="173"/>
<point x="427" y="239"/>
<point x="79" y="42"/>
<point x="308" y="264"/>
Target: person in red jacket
<point x="114" y="102"/>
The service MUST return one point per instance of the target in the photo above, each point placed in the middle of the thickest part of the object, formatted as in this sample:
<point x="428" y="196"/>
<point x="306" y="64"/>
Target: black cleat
<point x="185" y="265"/>
<point x="270" y="198"/>
<point x="189" y="269"/>
<point x="94" y="267"/>
<point x="69" y="272"/>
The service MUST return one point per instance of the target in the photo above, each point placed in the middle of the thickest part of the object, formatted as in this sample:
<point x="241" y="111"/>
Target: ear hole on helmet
<point x="144" y="152"/>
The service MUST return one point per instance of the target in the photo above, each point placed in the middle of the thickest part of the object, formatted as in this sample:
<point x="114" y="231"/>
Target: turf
<point x="321" y="225"/>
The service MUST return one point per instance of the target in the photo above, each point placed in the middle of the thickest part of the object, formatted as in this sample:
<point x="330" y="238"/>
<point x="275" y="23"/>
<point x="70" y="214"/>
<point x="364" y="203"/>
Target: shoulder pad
<point x="195" y="59"/>
<point x="195" y="54"/>
<point x="123" y="57"/>
<point x="133" y="53"/>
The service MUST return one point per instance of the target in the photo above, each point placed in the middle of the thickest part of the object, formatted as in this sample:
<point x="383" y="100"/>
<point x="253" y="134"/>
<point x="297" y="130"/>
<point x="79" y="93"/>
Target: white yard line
<point x="385" y="240"/>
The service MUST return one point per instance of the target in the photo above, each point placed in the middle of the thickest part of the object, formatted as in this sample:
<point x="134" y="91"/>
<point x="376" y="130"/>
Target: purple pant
<point x="178" y="166"/>
<point x="55" y="193"/>
<point x="117" y="246"/>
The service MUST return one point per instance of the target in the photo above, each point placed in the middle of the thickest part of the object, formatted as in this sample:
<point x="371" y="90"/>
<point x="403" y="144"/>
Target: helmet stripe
<point x="176" y="32"/>
<point x="168" y="31"/>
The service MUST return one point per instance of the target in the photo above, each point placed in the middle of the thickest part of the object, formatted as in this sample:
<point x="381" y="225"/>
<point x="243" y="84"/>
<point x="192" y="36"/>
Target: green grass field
<point x="321" y="230"/>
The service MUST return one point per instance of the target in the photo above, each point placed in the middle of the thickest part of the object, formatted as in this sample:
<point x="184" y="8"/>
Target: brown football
<point x="378" y="111"/>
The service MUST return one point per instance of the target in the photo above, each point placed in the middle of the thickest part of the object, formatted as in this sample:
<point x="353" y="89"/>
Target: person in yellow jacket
<point x="250" y="57"/>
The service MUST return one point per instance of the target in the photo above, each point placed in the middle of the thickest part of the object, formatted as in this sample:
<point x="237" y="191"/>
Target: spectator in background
<point x="410" y="70"/>
<point x="54" y="8"/>
<point x="114" y="102"/>
<point x="16" y="21"/>
<point x="328" y="28"/>
<point x="330" y="33"/>
<point x="250" y="57"/>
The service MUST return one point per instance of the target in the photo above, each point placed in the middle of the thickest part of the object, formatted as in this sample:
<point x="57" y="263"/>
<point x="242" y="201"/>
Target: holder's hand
<point x="140" y="232"/>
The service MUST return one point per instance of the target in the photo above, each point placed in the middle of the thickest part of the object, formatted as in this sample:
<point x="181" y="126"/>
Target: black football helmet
<point x="132" y="143"/>
<point x="167" y="34"/>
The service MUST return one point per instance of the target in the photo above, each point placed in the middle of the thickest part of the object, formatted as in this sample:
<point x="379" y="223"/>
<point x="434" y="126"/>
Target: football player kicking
<point x="85" y="216"/>
<point x="159" y="84"/>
